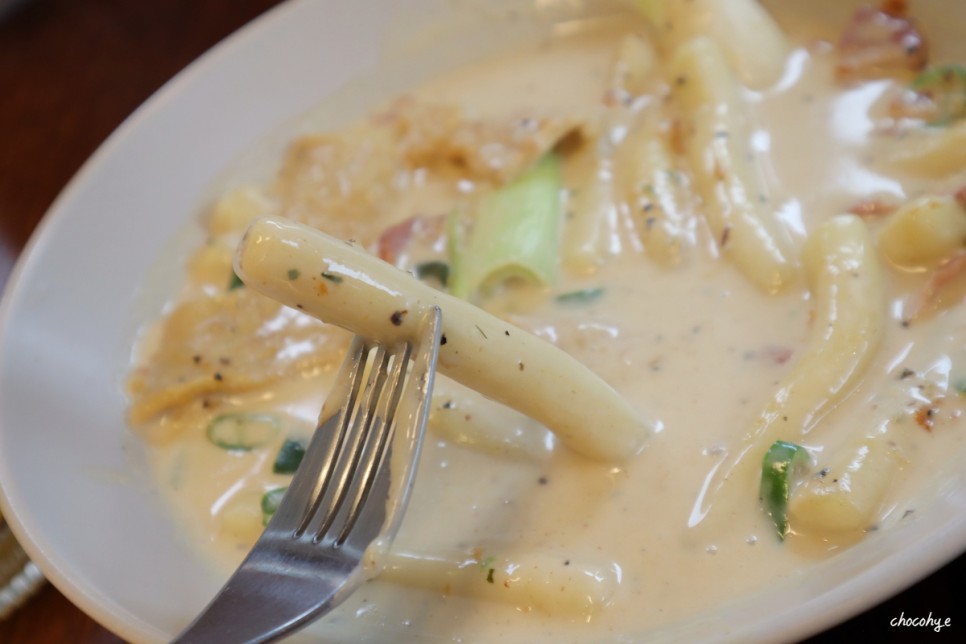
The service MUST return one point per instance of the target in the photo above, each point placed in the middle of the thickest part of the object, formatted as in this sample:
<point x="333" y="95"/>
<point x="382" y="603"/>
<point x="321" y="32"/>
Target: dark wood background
<point x="70" y="72"/>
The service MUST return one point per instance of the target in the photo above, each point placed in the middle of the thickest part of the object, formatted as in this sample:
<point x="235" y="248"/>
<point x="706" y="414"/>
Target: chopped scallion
<point x="583" y="296"/>
<point x="270" y="503"/>
<point x="235" y="282"/>
<point x="242" y="432"/>
<point x="289" y="456"/>
<point x="515" y="233"/>
<point x="782" y="461"/>
<point x="437" y="270"/>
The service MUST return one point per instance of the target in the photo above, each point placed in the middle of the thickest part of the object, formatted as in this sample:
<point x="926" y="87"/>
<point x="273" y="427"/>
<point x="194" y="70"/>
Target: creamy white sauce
<point x="696" y="344"/>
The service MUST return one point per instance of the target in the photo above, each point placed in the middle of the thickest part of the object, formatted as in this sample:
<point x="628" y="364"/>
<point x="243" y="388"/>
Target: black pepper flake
<point x="542" y="480"/>
<point x="725" y="235"/>
<point x="506" y="332"/>
<point x="680" y="80"/>
<point x="566" y="562"/>
<point x="480" y="330"/>
<point x="442" y="339"/>
<point x="397" y="317"/>
<point x="906" y="373"/>
<point x="196" y="359"/>
<point x="489" y="575"/>
<point x="336" y="279"/>
<point x="520" y="365"/>
<point x="300" y="307"/>
<point x="824" y="472"/>
<point x="448" y="404"/>
<point x="293" y="273"/>
<point x="218" y="376"/>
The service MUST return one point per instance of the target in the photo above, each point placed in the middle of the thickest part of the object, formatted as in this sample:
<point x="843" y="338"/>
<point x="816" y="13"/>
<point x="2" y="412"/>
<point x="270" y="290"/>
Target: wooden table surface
<point x="70" y="72"/>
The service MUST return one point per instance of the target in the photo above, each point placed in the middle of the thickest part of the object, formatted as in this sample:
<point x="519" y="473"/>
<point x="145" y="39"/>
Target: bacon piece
<point x="880" y="43"/>
<point x="895" y="7"/>
<point x="396" y="242"/>
<point x="960" y="197"/>
<point x="872" y="208"/>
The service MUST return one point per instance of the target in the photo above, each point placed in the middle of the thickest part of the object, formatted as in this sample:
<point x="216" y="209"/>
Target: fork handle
<point x="264" y="588"/>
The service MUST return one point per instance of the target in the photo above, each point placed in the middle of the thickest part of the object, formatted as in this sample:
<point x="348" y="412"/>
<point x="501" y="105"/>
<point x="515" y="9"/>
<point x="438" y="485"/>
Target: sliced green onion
<point x="437" y="270"/>
<point x="289" y="456"/>
<point x="515" y="233"/>
<point x="583" y="296"/>
<point x="945" y="86"/>
<point x="235" y="282"/>
<point x="781" y="462"/>
<point x="242" y="432"/>
<point x="270" y="503"/>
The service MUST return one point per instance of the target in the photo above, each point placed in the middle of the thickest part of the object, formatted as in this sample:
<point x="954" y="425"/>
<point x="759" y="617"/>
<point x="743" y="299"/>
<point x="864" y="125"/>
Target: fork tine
<point x="396" y="474"/>
<point x="379" y="438"/>
<point x="307" y="484"/>
<point x="360" y="424"/>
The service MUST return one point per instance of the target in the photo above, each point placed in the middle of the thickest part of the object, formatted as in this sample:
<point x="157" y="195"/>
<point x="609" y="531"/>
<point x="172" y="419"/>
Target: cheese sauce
<point x="695" y="344"/>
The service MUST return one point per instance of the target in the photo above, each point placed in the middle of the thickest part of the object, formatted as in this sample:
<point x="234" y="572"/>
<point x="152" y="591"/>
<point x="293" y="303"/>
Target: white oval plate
<point x="72" y="474"/>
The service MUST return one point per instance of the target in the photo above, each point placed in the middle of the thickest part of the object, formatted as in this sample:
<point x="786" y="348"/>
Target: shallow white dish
<point x="73" y="476"/>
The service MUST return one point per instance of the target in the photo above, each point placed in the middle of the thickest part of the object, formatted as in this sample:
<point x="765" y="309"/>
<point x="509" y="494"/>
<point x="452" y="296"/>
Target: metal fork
<point x="345" y="502"/>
